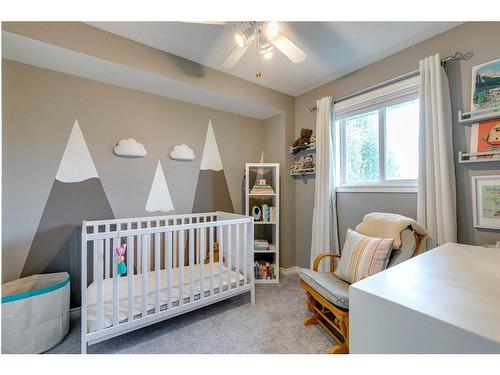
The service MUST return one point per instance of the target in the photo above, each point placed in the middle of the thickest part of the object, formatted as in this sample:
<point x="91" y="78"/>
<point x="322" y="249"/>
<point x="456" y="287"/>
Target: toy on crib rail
<point x="121" y="267"/>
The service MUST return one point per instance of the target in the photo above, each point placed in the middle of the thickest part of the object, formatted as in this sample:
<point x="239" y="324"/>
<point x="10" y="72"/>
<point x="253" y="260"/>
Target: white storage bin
<point x="35" y="313"/>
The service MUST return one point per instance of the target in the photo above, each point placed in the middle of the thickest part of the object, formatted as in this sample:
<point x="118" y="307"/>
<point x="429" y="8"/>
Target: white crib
<point x="171" y="269"/>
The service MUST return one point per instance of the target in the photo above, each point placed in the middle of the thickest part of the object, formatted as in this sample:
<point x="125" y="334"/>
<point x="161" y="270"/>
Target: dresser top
<point x="457" y="284"/>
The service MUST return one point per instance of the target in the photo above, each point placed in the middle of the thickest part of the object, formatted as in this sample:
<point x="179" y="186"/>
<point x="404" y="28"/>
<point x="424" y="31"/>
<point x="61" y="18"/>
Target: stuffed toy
<point x="297" y="165"/>
<point x="216" y="254"/>
<point x="121" y="267"/>
<point x="304" y="139"/>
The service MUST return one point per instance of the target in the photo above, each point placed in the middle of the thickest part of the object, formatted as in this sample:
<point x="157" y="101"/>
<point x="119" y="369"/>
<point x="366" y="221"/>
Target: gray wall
<point x="275" y="151"/>
<point x="481" y="38"/>
<point x="352" y="206"/>
<point x="91" y="41"/>
<point x="39" y="109"/>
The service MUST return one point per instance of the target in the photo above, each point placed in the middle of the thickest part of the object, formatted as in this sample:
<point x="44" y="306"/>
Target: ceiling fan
<point x="267" y="37"/>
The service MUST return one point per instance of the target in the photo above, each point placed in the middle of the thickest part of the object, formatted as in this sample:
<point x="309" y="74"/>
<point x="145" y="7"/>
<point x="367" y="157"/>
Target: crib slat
<point x="201" y="260"/>
<point x="149" y="263"/>
<point x="211" y="258"/>
<point x="181" y="267"/>
<point x="130" y="276"/>
<point x="116" y="279"/>
<point x="191" y="265"/>
<point x="168" y="257"/>
<point x="157" y="272"/>
<point x="99" y="300"/>
<point x="229" y="246"/>
<point x="175" y="249"/>
<point x="138" y="254"/>
<point x="144" y="260"/>
<point x="245" y="253"/>
<point x="221" y="256"/>
<point x="237" y="251"/>
<point x="107" y="262"/>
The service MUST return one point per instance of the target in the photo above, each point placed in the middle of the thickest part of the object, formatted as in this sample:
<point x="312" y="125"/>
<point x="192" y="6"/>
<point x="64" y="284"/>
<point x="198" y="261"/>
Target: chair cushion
<point x="362" y="256"/>
<point x="407" y="249"/>
<point x="328" y="286"/>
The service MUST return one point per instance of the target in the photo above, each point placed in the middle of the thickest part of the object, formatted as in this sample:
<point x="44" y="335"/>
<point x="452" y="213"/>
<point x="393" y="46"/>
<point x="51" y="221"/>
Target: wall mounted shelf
<point x="302" y="172"/>
<point x="310" y="148"/>
<point x="467" y="118"/>
<point x="472" y="157"/>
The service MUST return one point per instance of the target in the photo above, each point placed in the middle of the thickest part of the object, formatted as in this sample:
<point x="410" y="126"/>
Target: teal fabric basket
<point x="35" y="313"/>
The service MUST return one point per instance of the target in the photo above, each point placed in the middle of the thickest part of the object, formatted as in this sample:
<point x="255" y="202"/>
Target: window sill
<point x="377" y="189"/>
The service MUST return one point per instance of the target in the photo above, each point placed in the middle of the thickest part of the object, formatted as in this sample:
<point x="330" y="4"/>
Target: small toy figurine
<point x="121" y="267"/>
<point x="308" y="162"/>
<point x="303" y="141"/>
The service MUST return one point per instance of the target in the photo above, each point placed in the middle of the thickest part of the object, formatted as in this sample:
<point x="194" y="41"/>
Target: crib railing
<point x="174" y="264"/>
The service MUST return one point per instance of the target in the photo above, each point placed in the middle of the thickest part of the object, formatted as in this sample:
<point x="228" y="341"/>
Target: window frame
<point x="378" y="100"/>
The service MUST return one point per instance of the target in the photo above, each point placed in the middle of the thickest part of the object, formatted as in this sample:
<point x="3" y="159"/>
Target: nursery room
<point x="279" y="186"/>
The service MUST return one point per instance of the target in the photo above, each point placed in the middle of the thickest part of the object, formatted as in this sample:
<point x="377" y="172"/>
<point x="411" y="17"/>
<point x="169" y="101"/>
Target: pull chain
<point x="258" y="74"/>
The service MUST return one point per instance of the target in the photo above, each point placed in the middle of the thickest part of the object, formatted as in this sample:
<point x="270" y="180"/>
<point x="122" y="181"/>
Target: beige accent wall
<point x="481" y="38"/>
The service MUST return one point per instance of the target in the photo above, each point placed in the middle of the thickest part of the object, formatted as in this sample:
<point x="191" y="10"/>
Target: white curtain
<point x="436" y="209"/>
<point x="324" y="224"/>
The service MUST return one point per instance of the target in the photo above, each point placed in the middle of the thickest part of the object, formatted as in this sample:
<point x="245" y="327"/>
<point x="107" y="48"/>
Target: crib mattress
<point x="107" y="290"/>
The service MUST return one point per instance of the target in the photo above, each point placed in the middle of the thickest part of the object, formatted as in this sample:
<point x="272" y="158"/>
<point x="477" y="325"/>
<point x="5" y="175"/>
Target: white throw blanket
<point x="385" y="225"/>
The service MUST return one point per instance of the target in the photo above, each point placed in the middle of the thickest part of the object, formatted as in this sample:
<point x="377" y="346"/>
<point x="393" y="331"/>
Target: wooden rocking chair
<point x="327" y="297"/>
<point x="333" y="318"/>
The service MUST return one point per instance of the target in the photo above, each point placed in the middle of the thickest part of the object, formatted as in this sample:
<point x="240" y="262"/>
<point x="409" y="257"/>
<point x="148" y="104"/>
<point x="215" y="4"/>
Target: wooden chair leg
<point x="340" y="349"/>
<point x="309" y="302"/>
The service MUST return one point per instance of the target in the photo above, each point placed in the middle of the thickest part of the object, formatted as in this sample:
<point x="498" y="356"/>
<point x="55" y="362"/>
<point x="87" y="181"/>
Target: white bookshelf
<point x="265" y="230"/>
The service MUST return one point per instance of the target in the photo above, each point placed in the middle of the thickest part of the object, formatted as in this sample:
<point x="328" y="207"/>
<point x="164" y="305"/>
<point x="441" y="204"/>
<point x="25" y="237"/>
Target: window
<point x="378" y="138"/>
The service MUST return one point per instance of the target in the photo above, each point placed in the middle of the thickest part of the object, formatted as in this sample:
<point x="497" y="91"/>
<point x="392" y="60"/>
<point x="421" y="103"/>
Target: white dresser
<point x="446" y="300"/>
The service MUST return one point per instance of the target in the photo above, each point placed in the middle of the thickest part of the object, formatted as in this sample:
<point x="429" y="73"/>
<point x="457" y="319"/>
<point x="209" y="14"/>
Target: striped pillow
<point x="362" y="256"/>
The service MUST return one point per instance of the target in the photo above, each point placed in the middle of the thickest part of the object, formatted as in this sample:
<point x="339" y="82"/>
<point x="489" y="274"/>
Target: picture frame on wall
<point x="486" y="201"/>
<point x="485" y="87"/>
<point x="485" y="137"/>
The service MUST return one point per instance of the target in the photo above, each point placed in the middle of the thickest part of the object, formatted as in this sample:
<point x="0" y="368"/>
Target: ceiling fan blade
<point x="289" y="48"/>
<point x="235" y="56"/>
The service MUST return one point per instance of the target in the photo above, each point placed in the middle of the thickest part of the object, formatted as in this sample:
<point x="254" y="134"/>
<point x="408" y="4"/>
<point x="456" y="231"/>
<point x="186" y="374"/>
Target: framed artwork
<point x="485" y="137"/>
<point x="485" y="86"/>
<point x="486" y="201"/>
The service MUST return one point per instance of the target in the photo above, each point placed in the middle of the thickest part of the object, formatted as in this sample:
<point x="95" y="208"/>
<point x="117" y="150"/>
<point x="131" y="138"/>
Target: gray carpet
<point x="274" y="325"/>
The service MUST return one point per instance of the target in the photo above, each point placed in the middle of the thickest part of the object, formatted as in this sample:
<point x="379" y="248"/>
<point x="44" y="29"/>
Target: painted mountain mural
<point x="159" y="198"/>
<point x="76" y="195"/>
<point x="212" y="192"/>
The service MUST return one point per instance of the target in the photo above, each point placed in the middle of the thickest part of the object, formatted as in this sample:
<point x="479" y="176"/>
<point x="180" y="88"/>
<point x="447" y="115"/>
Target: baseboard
<point x="75" y="312"/>
<point x="289" y="271"/>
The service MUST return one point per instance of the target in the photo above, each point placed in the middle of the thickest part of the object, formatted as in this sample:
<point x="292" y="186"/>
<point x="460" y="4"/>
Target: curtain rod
<point x="456" y="56"/>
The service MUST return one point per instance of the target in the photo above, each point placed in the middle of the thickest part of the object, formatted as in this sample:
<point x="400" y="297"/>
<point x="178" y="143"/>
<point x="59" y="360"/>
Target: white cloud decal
<point x="130" y="148"/>
<point x="182" y="152"/>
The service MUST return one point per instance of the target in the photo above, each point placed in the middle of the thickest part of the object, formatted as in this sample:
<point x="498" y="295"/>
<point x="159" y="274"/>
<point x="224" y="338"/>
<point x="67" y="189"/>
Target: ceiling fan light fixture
<point x="266" y="49"/>
<point x="272" y="29"/>
<point x="243" y="38"/>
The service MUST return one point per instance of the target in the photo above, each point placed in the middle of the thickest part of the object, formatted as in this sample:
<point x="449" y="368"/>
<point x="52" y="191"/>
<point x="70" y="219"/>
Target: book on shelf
<point x="262" y="189"/>
<point x="266" y="214"/>
<point x="264" y="270"/>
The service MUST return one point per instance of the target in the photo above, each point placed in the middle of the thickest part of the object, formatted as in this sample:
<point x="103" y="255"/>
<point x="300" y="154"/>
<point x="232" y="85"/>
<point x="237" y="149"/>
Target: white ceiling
<point x="333" y="49"/>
